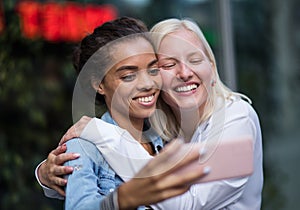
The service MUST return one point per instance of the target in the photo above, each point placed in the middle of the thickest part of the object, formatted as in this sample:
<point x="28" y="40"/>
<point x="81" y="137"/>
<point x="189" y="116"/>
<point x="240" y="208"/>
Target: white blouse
<point x="235" y="118"/>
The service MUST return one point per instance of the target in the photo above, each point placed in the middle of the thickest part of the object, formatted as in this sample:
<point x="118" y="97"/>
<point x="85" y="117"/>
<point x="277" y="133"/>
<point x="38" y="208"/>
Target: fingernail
<point x="76" y="155"/>
<point x="206" y="170"/>
<point x="202" y="151"/>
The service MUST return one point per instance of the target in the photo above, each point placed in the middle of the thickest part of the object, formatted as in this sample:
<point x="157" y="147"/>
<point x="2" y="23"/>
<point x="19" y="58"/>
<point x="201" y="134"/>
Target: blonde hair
<point x="171" y="127"/>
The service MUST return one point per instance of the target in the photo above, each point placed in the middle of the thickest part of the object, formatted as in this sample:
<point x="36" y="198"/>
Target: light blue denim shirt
<point x="93" y="178"/>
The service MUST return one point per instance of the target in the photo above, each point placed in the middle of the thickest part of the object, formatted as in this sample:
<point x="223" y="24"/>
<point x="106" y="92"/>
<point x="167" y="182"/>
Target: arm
<point x="92" y="178"/>
<point x="84" y="190"/>
<point x="238" y="119"/>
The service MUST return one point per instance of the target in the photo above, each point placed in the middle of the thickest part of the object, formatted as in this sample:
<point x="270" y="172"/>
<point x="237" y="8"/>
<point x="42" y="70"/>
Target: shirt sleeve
<point x="239" y="119"/>
<point x="83" y="191"/>
<point x="48" y="192"/>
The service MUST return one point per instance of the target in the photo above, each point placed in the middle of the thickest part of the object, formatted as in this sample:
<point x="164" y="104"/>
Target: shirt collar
<point x="149" y="133"/>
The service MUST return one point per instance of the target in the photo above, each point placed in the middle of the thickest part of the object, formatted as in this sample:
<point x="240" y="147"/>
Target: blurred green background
<point x="37" y="81"/>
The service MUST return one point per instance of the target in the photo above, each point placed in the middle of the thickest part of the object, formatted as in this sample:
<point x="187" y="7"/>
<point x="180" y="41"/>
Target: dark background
<point x="37" y="81"/>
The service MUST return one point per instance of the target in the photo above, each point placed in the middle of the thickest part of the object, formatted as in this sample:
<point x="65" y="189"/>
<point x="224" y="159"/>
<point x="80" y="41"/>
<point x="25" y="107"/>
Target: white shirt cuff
<point x="48" y="192"/>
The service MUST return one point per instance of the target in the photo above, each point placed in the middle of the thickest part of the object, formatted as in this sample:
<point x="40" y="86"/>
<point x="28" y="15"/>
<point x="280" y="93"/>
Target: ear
<point x="99" y="88"/>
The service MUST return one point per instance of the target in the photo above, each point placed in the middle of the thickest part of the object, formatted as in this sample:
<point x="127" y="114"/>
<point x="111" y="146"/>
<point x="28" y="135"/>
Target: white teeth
<point x="145" y="99"/>
<point x="186" y="88"/>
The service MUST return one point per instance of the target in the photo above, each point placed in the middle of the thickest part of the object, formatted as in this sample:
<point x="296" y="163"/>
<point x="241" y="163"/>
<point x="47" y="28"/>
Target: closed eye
<point x="168" y="66"/>
<point x="196" y="61"/>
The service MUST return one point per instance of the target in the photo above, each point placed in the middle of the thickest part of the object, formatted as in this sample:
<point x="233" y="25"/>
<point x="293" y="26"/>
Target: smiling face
<point x="186" y="71"/>
<point x="131" y="87"/>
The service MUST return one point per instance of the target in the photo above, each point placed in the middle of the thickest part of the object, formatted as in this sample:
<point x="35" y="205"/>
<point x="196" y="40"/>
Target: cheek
<point x="167" y="98"/>
<point x="117" y="92"/>
<point x="158" y="81"/>
<point x="205" y="73"/>
<point x="167" y="77"/>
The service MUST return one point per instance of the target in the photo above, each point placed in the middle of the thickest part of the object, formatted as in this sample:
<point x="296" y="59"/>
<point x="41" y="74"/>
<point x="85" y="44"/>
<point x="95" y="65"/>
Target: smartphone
<point x="226" y="158"/>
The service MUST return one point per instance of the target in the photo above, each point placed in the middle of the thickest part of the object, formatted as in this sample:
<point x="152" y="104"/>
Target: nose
<point x="145" y="81"/>
<point x="184" y="73"/>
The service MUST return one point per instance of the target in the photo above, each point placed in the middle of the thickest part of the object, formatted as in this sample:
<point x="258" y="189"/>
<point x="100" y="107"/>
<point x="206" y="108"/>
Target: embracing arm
<point x="233" y="192"/>
<point x="155" y="182"/>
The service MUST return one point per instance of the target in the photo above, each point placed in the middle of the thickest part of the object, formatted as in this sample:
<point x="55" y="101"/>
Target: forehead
<point x="132" y="47"/>
<point x="180" y="42"/>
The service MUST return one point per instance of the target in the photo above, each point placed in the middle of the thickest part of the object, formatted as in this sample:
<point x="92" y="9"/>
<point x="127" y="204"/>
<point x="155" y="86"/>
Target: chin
<point x="143" y="114"/>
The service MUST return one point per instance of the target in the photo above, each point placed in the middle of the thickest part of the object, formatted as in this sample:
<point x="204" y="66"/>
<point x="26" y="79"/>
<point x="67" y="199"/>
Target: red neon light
<point x="1" y="17"/>
<point x="29" y="12"/>
<point x="61" y="22"/>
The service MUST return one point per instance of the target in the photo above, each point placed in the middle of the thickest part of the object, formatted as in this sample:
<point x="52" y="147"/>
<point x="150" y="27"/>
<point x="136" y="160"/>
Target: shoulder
<point x="79" y="143"/>
<point x="85" y="148"/>
<point x="240" y="107"/>
<point x="242" y="113"/>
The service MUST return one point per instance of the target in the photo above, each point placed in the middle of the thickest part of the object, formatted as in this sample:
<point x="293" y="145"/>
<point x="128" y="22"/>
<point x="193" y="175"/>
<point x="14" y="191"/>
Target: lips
<point x="145" y="100"/>
<point x="186" y="88"/>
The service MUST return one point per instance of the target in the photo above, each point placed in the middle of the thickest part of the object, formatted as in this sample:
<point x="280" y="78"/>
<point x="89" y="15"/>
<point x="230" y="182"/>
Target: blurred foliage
<point x="36" y="83"/>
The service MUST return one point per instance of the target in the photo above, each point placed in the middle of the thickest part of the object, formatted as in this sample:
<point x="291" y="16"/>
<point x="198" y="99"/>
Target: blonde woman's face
<point x="186" y="70"/>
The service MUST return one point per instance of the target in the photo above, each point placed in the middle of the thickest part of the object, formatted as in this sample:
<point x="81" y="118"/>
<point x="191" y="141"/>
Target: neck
<point x="189" y="120"/>
<point x="133" y="125"/>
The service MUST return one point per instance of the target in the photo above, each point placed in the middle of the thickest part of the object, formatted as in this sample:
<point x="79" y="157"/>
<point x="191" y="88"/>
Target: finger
<point x="185" y="155"/>
<point x="175" y="157"/>
<point x="59" y="190"/>
<point x="62" y="158"/>
<point x="61" y="170"/>
<point x="59" y="150"/>
<point x="188" y="175"/>
<point x="58" y="181"/>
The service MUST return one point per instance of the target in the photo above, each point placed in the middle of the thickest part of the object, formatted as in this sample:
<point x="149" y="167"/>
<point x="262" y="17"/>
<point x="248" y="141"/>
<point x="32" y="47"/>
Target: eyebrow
<point x="179" y="60"/>
<point x="129" y="67"/>
<point x="196" y="53"/>
<point x="122" y="68"/>
<point x="155" y="61"/>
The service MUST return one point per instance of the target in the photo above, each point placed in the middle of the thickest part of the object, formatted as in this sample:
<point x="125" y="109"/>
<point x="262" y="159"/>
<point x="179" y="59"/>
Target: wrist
<point x="125" y="198"/>
<point x="40" y="172"/>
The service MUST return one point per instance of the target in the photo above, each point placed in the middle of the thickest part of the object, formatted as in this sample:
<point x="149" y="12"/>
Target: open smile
<point x="145" y="100"/>
<point x="186" y="88"/>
